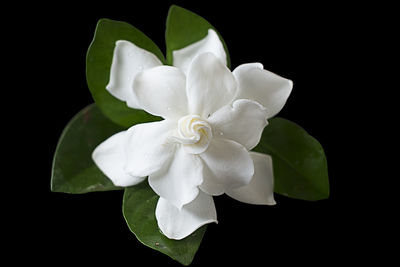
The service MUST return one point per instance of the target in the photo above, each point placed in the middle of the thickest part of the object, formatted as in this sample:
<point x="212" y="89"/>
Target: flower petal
<point x="260" y="190"/>
<point x="182" y="58"/>
<point x="110" y="157"/>
<point x="178" y="182"/>
<point x="128" y="60"/>
<point x="179" y="223"/>
<point x="211" y="185"/>
<point x="161" y="92"/>
<point x="210" y="85"/>
<point x="242" y="122"/>
<point x="148" y="147"/>
<point x="265" y="87"/>
<point x="229" y="162"/>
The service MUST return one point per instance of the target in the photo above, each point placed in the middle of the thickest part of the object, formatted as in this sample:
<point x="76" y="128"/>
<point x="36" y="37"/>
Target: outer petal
<point x="260" y="190"/>
<point x="128" y="60"/>
<point x="148" y="147"/>
<point x="265" y="87"/>
<point x="211" y="185"/>
<point x="210" y="85"/>
<point x="242" y="122"/>
<point x="178" y="182"/>
<point x="110" y="157"/>
<point x="229" y="163"/>
<point x="179" y="223"/>
<point x="161" y="92"/>
<point x="182" y="58"/>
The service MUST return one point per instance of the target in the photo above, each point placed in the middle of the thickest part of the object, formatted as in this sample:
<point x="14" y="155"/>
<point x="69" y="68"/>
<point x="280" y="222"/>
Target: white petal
<point x="128" y="60"/>
<point x="210" y="85"/>
<point x="178" y="181"/>
<point x="242" y="122"/>
<point x="110" y="157"/>
<point x="260" y="190"/>
<point x="265" y="87"/>
<point x="229" y="162"/>
<point x="161" y="92"/>
<point x="182" y="58"/>
<point x="179" y="223"/>
<point x="211" y="185"/>
<point x="148" y="147"/>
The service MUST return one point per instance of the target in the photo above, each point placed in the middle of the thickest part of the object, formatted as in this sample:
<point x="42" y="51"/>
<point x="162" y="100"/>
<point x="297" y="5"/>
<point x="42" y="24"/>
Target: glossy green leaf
<point x="139" y="207"/>
<point x="98" y="65"/>
<point x="300" y="167"/>
<point x="184" y="28"/>
<point x="73" y="168"/>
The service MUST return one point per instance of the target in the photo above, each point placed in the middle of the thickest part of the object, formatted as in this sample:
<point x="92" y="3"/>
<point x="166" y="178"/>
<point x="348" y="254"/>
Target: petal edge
<point x="148" y="148"/>
<point x="242" y="122"/>
<point x="229" y="162"/>
<point x="260" y="190"/>
<point x="110" y="157"/>
<point x="182" y="58"/>
<point x="179" y="223"/>
<point x="128" y="60"/>
<point x="210" y="85"/>
<point x="178" y="182"/>
<point x="265" y="87"/>
<point x="161" y="92"/>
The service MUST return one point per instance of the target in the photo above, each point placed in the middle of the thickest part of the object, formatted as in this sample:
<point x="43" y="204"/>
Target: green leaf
<point x="300" y="167"/>
<point x="98" y="65"/>
<point x="73" y="168"/>
<point x="139" y="207"/>
<point x="184" y="28"/>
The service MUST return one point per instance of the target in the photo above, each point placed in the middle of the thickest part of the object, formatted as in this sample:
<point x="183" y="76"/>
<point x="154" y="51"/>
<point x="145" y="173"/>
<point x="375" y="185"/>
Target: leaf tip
<point x="53" y="186"/>
<point x="323" y="194"/>
<point x="103" y="21"/>
<point x="326" y="194"/>
<point x="173" y="7"/>
<point x="186" y="263"/>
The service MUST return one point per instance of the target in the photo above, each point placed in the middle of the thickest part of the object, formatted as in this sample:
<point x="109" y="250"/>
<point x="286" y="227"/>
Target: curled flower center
<point x="194" y="133"/>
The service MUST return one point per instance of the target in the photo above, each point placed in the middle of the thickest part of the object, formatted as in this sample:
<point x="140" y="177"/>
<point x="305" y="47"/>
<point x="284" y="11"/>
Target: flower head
<point x="212" y="118"/>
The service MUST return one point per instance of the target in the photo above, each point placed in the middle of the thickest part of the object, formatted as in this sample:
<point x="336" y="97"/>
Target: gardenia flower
<point x="212" y="119"/>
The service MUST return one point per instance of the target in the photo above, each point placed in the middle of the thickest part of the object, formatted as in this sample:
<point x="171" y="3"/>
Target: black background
<point x="309" y="44"/>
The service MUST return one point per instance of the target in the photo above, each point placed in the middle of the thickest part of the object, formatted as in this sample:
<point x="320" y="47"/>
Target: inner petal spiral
<point x="194" y="134"/>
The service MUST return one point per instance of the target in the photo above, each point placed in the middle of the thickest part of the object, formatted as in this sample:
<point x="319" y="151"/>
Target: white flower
<point x="212" y="119"/>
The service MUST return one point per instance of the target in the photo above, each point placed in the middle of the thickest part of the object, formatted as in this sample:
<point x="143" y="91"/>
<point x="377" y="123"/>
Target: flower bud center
<point x="194" y="133"/>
